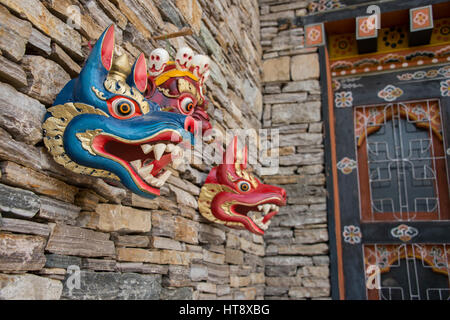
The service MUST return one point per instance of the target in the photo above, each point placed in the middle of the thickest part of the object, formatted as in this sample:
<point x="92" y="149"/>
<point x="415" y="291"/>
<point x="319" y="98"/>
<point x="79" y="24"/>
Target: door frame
<point x="338" y="126"/>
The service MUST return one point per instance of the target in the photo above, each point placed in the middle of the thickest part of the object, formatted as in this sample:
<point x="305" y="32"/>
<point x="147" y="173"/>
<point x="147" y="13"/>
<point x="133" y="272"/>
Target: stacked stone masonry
<point x="128" y="247"/>
<point x="296" y="258"/>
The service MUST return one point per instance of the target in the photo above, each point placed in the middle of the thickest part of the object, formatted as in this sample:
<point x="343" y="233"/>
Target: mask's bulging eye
<point x="244" y="186"/>
<point x="187" y="105"/>
<point x="123" y="108"/>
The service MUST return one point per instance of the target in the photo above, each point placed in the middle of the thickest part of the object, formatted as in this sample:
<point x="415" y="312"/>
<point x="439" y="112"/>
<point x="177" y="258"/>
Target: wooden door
<point x="392" y="149"/>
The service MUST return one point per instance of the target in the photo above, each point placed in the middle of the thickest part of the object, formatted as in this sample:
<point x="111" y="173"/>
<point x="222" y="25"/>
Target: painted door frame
<point x="342" y="214"/>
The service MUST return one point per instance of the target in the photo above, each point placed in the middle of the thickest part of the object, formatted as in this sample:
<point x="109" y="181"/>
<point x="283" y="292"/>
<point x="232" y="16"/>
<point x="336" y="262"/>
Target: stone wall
<point x="296" y="261"/>
<point x="53" y="221"/>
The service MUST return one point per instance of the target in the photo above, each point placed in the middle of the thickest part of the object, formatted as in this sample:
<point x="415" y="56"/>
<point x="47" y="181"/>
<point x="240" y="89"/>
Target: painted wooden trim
<point x="352" y="11"/>
<point x="335" y="246"/>
<point x="388" y="88"/>
<point x="445" y="120"/>
<point x="427" y="232"/>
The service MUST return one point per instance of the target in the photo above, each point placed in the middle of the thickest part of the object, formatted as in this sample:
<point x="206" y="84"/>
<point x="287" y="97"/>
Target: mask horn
<point x="231" y="153"/>
<point x="138" y="75"/>
<point x="100" y="59"/>
<point x="244" y="158"/>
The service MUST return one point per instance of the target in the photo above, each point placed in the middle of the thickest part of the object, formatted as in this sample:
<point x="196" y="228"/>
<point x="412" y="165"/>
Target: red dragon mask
<point x="178" y="86"/>
<point x="232" y="196"/>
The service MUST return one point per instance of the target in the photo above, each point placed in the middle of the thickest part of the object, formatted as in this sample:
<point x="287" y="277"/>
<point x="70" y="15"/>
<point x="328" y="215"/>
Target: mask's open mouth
<point x="145" y="159"/>
<point x="259" y="213"/>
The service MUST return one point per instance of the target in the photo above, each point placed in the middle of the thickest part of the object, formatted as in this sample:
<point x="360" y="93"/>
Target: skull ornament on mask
<point x="200" y="64"/>
<point x="179" y="86"/>
<point x="158" y="60"/>
<point x="183" y="58"/>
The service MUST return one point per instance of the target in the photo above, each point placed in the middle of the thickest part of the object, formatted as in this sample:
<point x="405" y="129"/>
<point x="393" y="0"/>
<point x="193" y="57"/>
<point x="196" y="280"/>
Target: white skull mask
<point x="183" y="58"/>
<point x="158" y="60"/>
<point x="201" y="65"/>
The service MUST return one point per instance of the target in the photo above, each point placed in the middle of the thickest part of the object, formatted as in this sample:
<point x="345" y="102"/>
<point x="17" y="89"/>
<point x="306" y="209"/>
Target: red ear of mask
<point x="140" y="73"/>
<point x="108" y="48"/>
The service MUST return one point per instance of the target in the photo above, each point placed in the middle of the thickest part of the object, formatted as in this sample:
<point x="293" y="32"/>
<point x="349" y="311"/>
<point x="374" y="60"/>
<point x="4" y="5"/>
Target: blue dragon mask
<point x="101" y="125"/>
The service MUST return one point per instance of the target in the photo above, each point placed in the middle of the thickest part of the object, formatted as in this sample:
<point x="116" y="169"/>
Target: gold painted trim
<point x="172" y="74"/>
<point x="54" y="128"/>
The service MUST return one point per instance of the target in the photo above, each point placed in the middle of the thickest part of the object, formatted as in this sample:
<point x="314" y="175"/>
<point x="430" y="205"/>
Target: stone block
<point x="178" y="276"/>
<point x="311" y="235"/>
<point x="41" y="18"/>
<point x="69" y="240"/>
<point x="12" y="73"/>
<point x="301" y="292"/>
<point x="163" y="224"/>
<point x="276" y="69"/>
<point x="174" y="257"/>
<point x="213" y="257"/>
<point x="233" y="256"/>
<point x="119" y="218"/>
<point x="29" y="287"/>
<point x="184" y="197"/>
<point x="24" y="226"/>
<point x="21" y="252"/>
<point x="280" y="271"/>
<point x="304" y="250"/>
<point x="46" y="78"/>
<point x="192" y="12"/>
<point x="198" y="272"/>
<point x="185" y="293"/>
<point x="138" y="255"/>
<point x="27" y="127"/>
<point x="305" y="112"/>
<point x="131" y="241"/>
<point x="98" y="264"/>
<point x="305" y="66"/>
<point x="115" y="286"/>
<point x="209" y="234"/>
<point x="26" y="178"/>
<point x="15" y="34"/>
<point x="165" y="243"/>
<point x="186" y="230"/>
<point x="61" y="261"/>
<point x="40" y="43"/>
<point x="17" y="201"/>
<point x="58" y="211"/>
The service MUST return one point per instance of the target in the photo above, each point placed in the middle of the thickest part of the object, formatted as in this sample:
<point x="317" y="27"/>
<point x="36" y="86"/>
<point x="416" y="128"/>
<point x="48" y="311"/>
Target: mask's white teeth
<point x="177" y="151"/>
<point x="260" y="207"/>
<point x="177" y="162"/>
<point x="151" y="180"/>
<point x="259" y="223"/>
<point x="165" y="176"/>
<point x="144" y="172"/>
<point x="158" y="183"/>
<point x="266" y="208"/>
<point x="136" y="164"/>
<point x="146" y="148"/>
<point x="274" y="207"/>
<point x="170" y="147"/>
<point x="159" y="150"/>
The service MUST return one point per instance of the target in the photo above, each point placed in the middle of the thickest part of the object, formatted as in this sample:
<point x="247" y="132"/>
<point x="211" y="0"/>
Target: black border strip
<point x="334" y="277"/>
<point x="353" y="11"/>
<point x="427" y="232"/>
